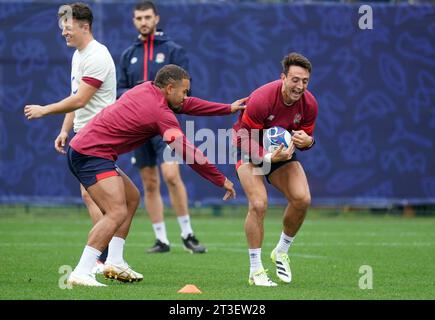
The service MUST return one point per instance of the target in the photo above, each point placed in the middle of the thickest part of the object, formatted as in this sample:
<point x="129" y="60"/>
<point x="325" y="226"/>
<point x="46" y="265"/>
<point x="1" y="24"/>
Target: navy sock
<point x="103" y="255"/>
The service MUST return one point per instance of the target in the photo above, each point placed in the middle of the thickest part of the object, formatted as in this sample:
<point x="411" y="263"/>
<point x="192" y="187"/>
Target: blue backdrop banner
<point x="375" y="88"/>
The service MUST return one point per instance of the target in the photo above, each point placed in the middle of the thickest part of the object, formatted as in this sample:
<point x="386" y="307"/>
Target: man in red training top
<point x="141" y="113"/>
<point x="286" y="103"/>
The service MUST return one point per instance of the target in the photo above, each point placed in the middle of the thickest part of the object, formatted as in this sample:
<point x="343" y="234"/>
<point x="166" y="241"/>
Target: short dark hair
<point x="295" y="59"/>
<point x="145" y="5"/>
<point x="170" y="73"/>
<point x="80" y="12"/>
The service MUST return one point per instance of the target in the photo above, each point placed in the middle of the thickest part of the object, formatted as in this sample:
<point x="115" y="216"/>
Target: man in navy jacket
<point x="140" y="62"/>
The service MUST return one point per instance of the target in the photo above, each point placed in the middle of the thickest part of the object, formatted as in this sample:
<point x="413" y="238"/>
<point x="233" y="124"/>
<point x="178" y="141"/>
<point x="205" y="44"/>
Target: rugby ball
<point x="274" y="137"/>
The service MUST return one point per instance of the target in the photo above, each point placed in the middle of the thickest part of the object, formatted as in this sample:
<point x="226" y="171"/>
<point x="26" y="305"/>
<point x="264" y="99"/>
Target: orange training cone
<point x="189" y="288"/>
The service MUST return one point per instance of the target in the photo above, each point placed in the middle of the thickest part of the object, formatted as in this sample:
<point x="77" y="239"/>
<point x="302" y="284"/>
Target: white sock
<point x="284" y="243"/>
<point x="160" y="232"/>
<point x="87" y="261"/>
<point x="186" y="228"/>
<point x="116" y="251"/>
<point x="255" y="260"/>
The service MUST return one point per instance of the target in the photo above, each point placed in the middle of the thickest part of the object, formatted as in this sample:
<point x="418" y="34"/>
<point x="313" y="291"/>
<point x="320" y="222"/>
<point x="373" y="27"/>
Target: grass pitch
<point x="326" y="257"/>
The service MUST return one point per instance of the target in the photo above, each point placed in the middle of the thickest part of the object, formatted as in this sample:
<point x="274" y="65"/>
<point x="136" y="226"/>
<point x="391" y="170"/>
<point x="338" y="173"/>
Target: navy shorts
<point x="89" y="169"/>
<point x="242" y="158"/>
<point x="150" y="153"/>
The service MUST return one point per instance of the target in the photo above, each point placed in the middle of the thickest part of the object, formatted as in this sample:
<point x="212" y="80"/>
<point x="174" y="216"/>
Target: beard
<point x="145" y="32"/>
<point x="175" y="108"/>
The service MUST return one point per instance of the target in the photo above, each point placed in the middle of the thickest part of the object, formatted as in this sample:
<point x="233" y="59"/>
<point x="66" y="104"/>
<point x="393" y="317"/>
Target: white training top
<point x="93" y="65"/>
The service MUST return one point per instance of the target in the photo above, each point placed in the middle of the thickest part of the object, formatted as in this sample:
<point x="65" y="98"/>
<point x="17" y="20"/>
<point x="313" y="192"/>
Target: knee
<point x="117" y="217"/>
<point x="301" y="202"/>
<point x="151" y="185"/>
<point x="258" y="207"/>
<point x="171" y="178"/>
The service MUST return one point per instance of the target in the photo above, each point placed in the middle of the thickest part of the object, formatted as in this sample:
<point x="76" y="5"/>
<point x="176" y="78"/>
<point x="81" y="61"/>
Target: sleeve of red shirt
<point x="93" y="82"/>
<point x="172" y="134"/>
<point x="253" y="119"/>
<point x="198" y="107"/>
<point x="309" y="120"/>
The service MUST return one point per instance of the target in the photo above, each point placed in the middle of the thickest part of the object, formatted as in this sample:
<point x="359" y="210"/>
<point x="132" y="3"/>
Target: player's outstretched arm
<point x="71" y="103"/>
<point x="238" y="105"/>
<point x="199" y="107"/>
<point x="170" y="130"/>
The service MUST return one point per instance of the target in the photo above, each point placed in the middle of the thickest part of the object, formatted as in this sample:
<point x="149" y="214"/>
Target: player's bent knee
<point x="113" y="222"/>
<point x="301" y="202"/>
<point x="151" y="186"/>
<point x="119" y="216"/>
<point x="258" y="206"/>
<point x="172" y="179"/>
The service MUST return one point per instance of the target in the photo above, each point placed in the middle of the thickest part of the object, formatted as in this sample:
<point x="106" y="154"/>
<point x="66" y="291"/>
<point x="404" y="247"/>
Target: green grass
<point x="325" y="257"/>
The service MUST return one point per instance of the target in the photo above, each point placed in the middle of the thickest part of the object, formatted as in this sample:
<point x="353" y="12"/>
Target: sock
<point x="87" y="261"/>
<point x="160" y="232"/>
<point x="255" y="260"/>
<point x="284" y="243"/>
<point x="103" y="255"/>
<point x="116" y="251"/>
<point x="186" y="228"/>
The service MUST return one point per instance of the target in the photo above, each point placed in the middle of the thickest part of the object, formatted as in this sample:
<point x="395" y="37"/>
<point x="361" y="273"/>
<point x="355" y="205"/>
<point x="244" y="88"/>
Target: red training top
<point x="266" y="108"/>
<point x="140" y="114"/>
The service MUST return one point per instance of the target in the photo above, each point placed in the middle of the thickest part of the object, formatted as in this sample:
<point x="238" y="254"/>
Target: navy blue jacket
<point x="148" y="57"/>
